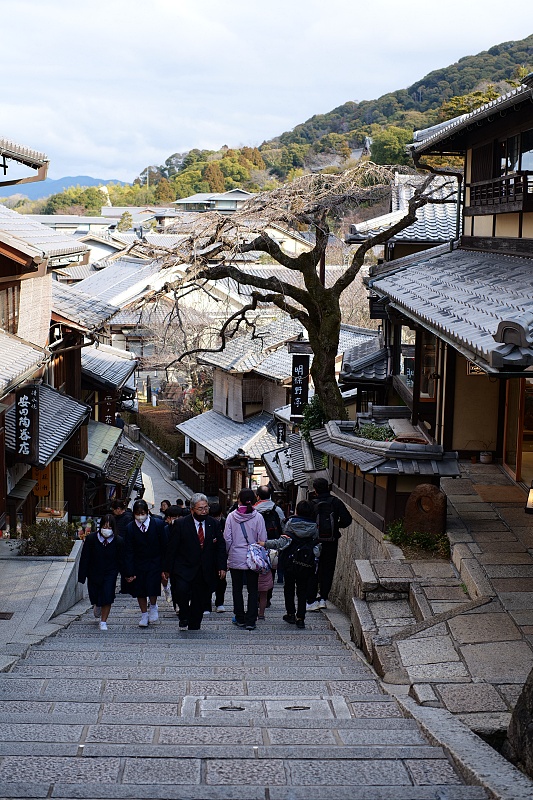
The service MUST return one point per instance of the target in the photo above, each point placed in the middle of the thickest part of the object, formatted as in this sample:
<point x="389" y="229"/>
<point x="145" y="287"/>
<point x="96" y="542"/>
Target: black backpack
<point x="325" y="519"/>
<point x="301" y="557"/>
<point x="272" y="522"/>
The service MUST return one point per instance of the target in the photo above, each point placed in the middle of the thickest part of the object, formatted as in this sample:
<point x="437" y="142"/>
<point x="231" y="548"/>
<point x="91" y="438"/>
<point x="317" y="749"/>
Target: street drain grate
<point x="297" y="708"/>
<point x="232" y="708"/>
<point x="6" y="614"/>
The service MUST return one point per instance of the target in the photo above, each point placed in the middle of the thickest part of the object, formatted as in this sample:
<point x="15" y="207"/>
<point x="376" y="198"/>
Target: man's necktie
<point x="201" y="536"/>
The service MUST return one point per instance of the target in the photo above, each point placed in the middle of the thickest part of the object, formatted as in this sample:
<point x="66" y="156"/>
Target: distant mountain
<point x="35" y="191"/>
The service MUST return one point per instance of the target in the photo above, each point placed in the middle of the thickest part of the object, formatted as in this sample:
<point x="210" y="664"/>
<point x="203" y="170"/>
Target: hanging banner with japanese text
<point x="300" y="385"/>
<point x="27" y="424"/>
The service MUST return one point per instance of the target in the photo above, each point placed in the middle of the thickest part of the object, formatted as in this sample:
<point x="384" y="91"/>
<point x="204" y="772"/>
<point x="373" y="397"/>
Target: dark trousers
<point x="220" y="591"/>
<point x="239" y="579"/>
<point x="296" y="582"/>
<point x="320" y="585"/>
<point x="191" y="598"/>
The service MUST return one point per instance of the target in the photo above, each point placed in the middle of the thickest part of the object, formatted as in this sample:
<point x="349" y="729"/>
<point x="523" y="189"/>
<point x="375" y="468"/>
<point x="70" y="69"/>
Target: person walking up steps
<point x="298" y="554"/>
<point x="243" y="526"/>
<point x="101" y="560"/>
<point x="331" y="515"/>
<point x="145" y="544"/>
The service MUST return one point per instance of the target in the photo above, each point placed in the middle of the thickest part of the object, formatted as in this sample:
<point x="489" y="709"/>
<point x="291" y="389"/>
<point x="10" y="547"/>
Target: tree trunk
<point x="324" y="340"/>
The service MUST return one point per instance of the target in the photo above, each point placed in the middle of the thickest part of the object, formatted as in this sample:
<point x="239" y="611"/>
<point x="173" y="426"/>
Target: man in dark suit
<point x="195" y="555"/>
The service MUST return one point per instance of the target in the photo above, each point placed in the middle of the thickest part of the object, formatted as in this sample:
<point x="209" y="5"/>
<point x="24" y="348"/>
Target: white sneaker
<point x="153" y="614"/>
<point x="143" y="622"/>
<point x="312" y="606"/>
<point x="207" y="613"/>
<point x="97" y="611"/>
<point x="103" y="626"/>
<point x="220" y="609"/>
<point x="322" y="604"/>
<point x="167" y="594"/>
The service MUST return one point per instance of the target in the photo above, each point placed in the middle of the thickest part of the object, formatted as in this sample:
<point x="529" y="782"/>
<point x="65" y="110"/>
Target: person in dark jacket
<point x="221" y="584"/>
<point x="300" y="531"/>
<point x="122" y="514"/>
<point x="195" y="554"/>
<point x="144" y="547"/>
<point x="101" y="560"/>
<point x="320" y="587"/>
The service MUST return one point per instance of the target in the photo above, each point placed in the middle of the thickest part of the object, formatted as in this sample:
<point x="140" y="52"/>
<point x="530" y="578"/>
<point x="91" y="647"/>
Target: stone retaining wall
<point x="360" y="540"/>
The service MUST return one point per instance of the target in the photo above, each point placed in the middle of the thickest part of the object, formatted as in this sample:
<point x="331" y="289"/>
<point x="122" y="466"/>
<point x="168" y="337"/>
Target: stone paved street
<point x="274" y="714"/>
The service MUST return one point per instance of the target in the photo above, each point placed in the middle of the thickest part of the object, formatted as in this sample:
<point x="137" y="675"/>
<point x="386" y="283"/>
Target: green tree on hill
<point x="164" y="193"/>
<point x="388" y="147"/>
<point x="214" y="176"/>
<point x="125" y="222"/>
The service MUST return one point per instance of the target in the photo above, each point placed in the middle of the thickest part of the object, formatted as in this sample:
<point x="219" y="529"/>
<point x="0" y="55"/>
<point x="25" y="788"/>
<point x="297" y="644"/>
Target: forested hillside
<point x="326" y="140"/>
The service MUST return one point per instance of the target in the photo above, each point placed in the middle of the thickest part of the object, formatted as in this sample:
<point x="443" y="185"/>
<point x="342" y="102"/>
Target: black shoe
<point x="194" y="629"/>
<point x="290" y="618"/>
<point x="300" y="623"/>
<point x="250" y="627"/>
<point x="238" y="624"/>
<point x="183" y="624"/>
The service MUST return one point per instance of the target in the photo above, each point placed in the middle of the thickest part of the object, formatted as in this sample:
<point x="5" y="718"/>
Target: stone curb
<point x="475" y="759"/>
<point x="479" y="763"/>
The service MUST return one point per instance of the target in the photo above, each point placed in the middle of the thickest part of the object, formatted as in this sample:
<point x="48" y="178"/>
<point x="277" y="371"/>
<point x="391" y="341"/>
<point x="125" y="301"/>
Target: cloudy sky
<point x="105" y="87"/>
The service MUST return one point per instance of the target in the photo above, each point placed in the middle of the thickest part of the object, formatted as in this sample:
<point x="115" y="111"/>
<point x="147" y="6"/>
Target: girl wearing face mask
<point x="144" y="547"/>
<point x="101" y="560"/>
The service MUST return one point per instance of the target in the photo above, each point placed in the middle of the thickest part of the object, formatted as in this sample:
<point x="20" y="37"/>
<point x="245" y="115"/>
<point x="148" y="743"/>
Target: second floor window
<point x="516" y="153"/>
<point x="9" y="307"/>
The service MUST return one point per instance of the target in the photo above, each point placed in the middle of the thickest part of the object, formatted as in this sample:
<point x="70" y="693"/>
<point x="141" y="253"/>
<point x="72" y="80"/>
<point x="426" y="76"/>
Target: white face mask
<point x="106" y="532"/>
<point x="141" y="517"/>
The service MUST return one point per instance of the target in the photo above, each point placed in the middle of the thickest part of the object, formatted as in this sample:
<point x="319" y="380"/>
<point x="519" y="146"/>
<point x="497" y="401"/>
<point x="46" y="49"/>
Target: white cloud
<point x="109" y="86"/>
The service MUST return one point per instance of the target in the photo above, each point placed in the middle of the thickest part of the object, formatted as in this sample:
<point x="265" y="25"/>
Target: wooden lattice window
<point x="9" y="307"/>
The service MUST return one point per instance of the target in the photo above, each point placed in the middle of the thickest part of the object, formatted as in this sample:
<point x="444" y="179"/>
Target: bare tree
<point x="210" y="253"/>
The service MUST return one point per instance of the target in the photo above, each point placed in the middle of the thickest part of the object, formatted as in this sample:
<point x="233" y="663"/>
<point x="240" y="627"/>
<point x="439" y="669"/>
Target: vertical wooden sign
<point x="27" y="424"/>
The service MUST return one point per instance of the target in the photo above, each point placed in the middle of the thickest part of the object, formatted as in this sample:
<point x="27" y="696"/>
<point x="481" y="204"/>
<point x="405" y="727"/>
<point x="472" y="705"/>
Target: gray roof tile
<point x="222" y="437"/>
<point x="53" y="245"/>
<point x="80" y="308"/>
<point x="59" y="417"/>
<point x="17" y="358"/>
<point x="109" y="369"/>
<point x="464" y="297"/>
<point x="22" y="154"/>
<point x="119" y="276"/>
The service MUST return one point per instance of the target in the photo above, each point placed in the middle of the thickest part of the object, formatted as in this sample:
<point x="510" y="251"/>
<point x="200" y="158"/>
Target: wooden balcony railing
<point x="192" y="478"/>
<point x="513" y="191"/>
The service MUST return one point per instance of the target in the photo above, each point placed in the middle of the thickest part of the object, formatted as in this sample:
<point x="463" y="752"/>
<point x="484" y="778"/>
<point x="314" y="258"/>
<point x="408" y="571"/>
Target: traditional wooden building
<point x="467" y="309"/>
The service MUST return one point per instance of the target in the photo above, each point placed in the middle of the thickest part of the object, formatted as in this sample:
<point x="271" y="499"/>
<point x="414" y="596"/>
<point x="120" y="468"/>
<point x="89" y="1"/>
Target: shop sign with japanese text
<point x="27" y="424"/>
<point x="300" y="385"/>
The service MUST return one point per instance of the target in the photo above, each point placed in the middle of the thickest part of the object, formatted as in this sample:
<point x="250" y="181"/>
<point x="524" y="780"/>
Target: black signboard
<point x="300" y="385"/>
<point x="281" y="433"/>
<point x="27" y="424"/>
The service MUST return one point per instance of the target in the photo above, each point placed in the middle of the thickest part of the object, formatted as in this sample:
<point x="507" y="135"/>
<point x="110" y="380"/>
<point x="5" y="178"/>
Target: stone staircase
<point x="217" y="714"/>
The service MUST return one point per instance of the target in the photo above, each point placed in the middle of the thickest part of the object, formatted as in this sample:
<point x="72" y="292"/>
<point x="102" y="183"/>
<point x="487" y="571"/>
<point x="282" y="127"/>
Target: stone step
<point x="250" y="791"/>
<point x="188" y="672"/>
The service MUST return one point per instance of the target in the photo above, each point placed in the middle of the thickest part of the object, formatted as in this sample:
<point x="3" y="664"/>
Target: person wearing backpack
<point x="298" y="552"/>
<point x="244" y="526"/>
<point x="274" y="522"/>
<point x="331" y="516"/>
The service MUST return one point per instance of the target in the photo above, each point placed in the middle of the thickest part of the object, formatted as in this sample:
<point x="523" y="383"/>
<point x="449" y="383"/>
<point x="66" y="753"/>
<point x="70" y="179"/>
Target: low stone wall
<point x="69" y="591"/>
<point x="360" y="540"/>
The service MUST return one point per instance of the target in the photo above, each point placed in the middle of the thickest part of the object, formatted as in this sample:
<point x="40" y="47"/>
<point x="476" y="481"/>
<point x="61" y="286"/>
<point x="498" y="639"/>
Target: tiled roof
<point x="17" y="358"/>
<point x="383" y="458"/>
<point x="222" y="437"/>
<point x="154" y="239"/>
<point x="430" y="136"/>
<point x="118" y="277"/>
<point x="481" y="303"/>
<point x="102" y="439"/>
<point x="76" y="273"/>
<point x="371" y="367"/>
<point x="52" y="245"/>
<point x="435" y="223"/>
<point x="24" y="155"/>
<point x="266" y="352"/>
<point x="153" y="313"/>
<point x="59" y="417"/>
<point x="78" y="307"/>
<point x="124" y="465"/>
<point x="108" y="368"/>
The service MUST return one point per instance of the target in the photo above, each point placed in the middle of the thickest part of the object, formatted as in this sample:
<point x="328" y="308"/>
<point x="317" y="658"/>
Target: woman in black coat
<point x="101" y="560"/>
<point x="144" y="547"/>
